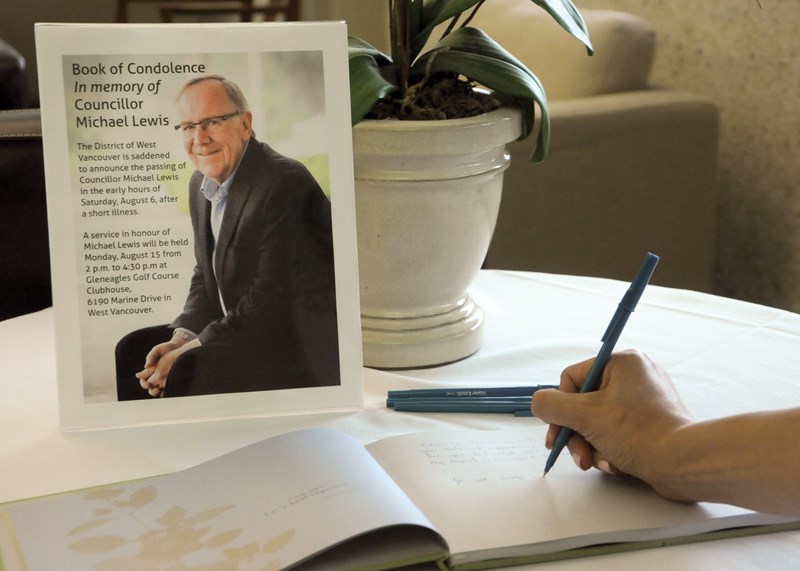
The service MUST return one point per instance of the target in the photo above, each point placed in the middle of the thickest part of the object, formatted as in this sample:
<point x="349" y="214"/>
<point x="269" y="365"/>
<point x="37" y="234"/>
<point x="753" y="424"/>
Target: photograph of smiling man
<point x="201" y="218"/>
<point x="260" y="312"/>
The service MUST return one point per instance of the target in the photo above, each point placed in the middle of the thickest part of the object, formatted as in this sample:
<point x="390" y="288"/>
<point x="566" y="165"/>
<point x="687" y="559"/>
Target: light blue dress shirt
<point x="217" y="195"/>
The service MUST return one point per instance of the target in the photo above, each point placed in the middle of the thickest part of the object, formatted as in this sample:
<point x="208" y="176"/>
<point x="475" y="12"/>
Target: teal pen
<point x="485" y="392"/>
<point x="458" y="405"/>
<point x="609" y="340"/>
<point x="527" y="398"/>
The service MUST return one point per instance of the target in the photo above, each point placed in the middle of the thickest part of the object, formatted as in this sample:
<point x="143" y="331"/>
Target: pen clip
<point x="618" y="315"/>
<point x="631" y="298"/>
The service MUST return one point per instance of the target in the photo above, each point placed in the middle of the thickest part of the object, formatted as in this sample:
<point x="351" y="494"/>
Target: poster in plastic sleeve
<point x="201" y="218"/>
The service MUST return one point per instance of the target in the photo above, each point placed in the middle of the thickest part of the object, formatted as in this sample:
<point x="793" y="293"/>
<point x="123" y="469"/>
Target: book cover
<point x="200" y="190"/>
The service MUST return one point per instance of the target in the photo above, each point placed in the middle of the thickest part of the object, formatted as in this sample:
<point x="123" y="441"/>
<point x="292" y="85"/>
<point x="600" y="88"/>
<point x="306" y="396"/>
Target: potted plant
<point x="428" y="179"/>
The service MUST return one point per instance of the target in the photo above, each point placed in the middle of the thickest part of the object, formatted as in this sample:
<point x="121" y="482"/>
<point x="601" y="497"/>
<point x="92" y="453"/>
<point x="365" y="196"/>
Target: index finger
<point x="572" y="377"/>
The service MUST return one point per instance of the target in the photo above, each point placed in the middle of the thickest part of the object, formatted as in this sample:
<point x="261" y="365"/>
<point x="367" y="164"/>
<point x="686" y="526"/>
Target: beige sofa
<point x="632" y="167"/>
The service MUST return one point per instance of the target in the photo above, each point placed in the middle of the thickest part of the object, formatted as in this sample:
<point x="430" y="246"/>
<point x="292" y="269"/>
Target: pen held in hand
<point x="609" y="340"/>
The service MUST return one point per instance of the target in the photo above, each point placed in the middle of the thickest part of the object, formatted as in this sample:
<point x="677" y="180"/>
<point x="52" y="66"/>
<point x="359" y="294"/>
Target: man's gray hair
<point x="234" y="92"/>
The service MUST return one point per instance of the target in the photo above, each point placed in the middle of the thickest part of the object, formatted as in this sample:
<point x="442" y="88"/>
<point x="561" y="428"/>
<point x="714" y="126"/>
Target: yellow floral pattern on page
<point x="178" y="540"/>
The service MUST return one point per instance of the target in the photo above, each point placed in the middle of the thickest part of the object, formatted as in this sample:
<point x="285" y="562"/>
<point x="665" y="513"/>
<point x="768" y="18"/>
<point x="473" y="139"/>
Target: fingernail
<point x="577" y="459"/>
<point x="605" y="466"/>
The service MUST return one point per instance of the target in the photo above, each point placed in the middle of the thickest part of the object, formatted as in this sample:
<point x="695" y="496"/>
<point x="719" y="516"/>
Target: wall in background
<point x="744" y="58"/>
<point x="18" y="19"/>
<point x="367" y="19"/>
<point x="747" y="60"/>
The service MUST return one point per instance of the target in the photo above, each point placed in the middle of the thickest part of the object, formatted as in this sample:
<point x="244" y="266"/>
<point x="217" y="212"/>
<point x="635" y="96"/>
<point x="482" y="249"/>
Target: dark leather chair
<point x="24" y="250"/>
<point x="12" y="78"/>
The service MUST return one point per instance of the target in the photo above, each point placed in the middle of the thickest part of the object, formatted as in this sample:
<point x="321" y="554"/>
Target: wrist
<point x="181" y="336"/>
<point x="690" y="466"/>
<point x="664" y="462"/>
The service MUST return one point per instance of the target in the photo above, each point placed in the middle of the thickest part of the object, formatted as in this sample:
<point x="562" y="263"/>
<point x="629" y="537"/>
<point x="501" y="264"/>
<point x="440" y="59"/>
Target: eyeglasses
<point x="209" y="123"/>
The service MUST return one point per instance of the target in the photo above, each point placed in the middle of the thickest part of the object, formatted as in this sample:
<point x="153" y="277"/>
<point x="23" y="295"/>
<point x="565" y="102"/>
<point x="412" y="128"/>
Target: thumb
<point x="558" y="407"/>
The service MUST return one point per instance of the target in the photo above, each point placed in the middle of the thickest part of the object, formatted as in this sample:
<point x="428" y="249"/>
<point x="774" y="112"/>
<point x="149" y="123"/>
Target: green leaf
<point x="357" y="46"/>
<point x="436" y="12"/>
<point x="473" y="40"/>
<point x="566" y="14"/>
<point x="367" y="85"/>
<point x="473" y="54"/>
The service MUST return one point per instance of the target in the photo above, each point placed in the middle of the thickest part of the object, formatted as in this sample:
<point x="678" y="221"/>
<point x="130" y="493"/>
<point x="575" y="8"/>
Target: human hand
<point x="623" y="426"/>
<point x="158" y="363"/>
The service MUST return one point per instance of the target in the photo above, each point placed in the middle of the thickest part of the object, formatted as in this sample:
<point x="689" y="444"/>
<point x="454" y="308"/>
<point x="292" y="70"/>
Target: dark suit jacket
<point x="274" y="260"/>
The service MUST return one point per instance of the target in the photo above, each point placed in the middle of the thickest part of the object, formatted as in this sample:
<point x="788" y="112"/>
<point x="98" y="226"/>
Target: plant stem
<point x="454" y="20"/>
<point x="402" y="13"/>
<point x="472" y="14"/>
<point x="450" y="26"/>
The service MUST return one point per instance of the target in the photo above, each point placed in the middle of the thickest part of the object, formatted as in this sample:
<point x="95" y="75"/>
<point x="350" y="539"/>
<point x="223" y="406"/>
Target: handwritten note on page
<point x="484" y="491"/>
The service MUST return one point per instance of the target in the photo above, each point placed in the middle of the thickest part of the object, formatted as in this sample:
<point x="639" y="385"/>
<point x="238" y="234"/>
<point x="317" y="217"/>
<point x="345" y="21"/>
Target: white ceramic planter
<point x="427" y="197"/>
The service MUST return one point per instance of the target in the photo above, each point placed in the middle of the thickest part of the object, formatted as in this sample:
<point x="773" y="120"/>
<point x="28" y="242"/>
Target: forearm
<point x="749" y="460"/>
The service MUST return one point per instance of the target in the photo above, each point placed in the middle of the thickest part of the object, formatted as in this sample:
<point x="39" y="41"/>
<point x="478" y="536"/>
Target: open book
<point x="318" y="499"/>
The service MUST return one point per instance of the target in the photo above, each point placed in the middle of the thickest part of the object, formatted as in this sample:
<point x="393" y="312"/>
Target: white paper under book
<point x="122" y="244"/>
<point x="318" y="499"/>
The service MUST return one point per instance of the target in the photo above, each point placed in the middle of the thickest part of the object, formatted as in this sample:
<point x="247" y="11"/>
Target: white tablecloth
<point x="725" y="356"/>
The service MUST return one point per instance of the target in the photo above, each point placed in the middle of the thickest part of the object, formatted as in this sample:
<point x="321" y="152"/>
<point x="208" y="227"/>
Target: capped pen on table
<point x="462" y="405"/>
<point x="394" y="396"/>
<point x="609" y="340"/>
<point x="514" y="400"/>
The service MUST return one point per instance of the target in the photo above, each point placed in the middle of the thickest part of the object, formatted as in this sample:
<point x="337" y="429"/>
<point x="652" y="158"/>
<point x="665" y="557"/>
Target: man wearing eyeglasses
<point x="260" y="313"/>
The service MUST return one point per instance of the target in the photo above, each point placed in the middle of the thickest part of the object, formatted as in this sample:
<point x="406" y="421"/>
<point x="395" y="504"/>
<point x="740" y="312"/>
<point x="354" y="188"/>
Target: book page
<point x="485" y="492"/>
<point x="266" y="506"/>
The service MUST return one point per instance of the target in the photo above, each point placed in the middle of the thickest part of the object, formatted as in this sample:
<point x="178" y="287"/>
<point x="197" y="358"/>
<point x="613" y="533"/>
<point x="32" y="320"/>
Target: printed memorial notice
<point x="201" y="218"/>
